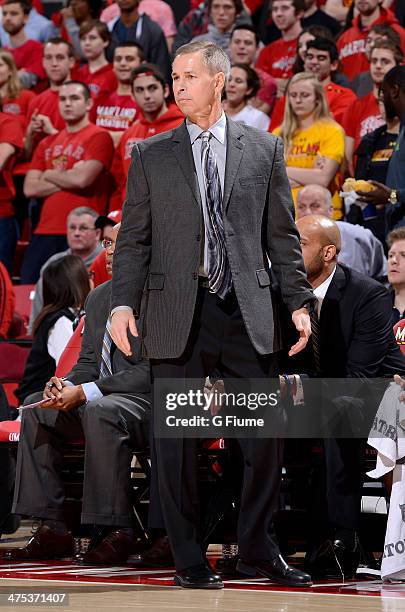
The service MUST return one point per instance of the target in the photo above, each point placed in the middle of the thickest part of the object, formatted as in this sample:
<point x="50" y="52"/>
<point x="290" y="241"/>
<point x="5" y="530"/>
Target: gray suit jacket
<point x="157" y="257"/>
<point x="131" y="374"/>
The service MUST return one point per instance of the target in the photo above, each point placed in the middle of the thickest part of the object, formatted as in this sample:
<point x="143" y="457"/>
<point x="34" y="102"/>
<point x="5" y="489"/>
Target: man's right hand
<point x="121" y="321"/>
<point x="53" y="388"/>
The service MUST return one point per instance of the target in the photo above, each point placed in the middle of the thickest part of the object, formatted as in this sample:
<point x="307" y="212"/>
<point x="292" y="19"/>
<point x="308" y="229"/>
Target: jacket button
<point x="195" y="275"/>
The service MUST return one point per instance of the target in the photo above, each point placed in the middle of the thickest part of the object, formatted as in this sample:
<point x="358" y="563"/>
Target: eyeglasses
<point x="81" y="228"/>
<point x="107" y="243"/>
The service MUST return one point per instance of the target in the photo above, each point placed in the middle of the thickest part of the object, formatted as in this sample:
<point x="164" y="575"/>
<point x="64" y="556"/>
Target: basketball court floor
<point x="75" y="588"/>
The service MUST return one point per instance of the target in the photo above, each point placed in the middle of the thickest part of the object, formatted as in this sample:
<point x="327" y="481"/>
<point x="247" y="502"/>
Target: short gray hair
<point x="214" y="58"/>
<point x="84" y="210"/>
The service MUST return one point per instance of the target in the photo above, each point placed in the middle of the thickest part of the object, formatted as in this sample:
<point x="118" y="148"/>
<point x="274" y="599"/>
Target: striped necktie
<point x="315" y="338"/>
<point x="216" y="260"/>
<point x="106" y="365"/>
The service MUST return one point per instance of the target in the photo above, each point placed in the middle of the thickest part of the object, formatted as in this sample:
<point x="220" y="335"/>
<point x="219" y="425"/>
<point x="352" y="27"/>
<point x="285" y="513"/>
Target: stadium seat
<point x="71" y="353"/>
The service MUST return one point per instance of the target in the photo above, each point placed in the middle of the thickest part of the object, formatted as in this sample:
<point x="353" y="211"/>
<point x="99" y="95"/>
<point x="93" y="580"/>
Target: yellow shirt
<point x="322" y="139"/>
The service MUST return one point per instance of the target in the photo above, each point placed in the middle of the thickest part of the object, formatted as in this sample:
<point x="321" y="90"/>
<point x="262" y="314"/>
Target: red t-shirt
<point x="62" y="151"/>
<point x="278" y="58"/>
<point x="7" y="301"/>
<point x="18" y="107"/>
<point x="29" y="57"/>
<point x="47" y="103"/>
<point x="351" y="44"/>
<point x="362" y="118"/>
<point x="99" y="270"/>
<point x="141" y="130"/>
<point x="117" y="113"/>
<point x="10" y="132"/>
<point x="101" y="82"/>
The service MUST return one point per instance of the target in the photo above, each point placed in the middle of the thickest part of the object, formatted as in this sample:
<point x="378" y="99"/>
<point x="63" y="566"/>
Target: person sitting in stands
<point x="242" y="85"/>
<point x="14" y="100"/>
<point x="396" y="272"/>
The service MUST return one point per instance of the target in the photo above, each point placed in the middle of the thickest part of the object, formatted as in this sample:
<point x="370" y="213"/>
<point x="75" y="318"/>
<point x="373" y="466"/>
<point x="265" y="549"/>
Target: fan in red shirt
<point x="69" y="169"/>
<point x="13" y="99"/>
<point x="118" y="111"/>
<point x="352" y="42"/>
<point x="97" y="73"/>
<point x="321" y="60"/>
<point x="364" y="115"/>
<point x="242" y="50"/>
<point x="11" y="143"/>
<point x="27" y="53"/>
<point x="43" y="113"/>
<point x="279" y="56"/>
<point x="150" y="91"/>
<point x="7" y="301"/>
<point x="100" y="270"/>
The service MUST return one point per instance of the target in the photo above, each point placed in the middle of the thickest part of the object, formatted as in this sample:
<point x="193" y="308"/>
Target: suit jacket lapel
<point x="184" y="155"/>
<point x="234" y="154"/>
<point x="330" y="305"/>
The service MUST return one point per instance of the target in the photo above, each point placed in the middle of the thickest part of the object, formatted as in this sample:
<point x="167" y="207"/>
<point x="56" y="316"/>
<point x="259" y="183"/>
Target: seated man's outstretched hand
<point x="121" y="322"/>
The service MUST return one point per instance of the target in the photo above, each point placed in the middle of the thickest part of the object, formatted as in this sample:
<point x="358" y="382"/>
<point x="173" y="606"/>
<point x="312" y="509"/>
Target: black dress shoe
<point x="276" y="570"/>
<point x="115" y="548"/>
<point x="46" y="543"/>
<point x="198" y="577"/>
<point x="333" y="560"/>
<point x="158" y="555"/>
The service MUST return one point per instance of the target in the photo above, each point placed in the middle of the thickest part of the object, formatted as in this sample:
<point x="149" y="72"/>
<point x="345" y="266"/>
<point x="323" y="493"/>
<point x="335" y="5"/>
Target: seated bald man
<point x="360" y="249"/>
<point x="355" y="340"/>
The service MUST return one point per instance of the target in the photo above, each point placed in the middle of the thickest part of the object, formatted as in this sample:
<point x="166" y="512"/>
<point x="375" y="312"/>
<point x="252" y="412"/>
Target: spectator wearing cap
<point x="151" y="92"/>
<point x="83" y="237"/>
<point x="131" y="25"/>
<point x="37" y="27"/>
<point x="69" y="169"/>
<point x="27" y="53"/>
<point x="118" y="110"/>
<point x="243" y="48"/>
<point x="98" y="73"/>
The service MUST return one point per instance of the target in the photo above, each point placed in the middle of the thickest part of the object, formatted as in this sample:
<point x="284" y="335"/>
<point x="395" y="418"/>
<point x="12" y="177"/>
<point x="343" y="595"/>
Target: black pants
<point x="113" y="427"/>
<point x="218" y="341"/>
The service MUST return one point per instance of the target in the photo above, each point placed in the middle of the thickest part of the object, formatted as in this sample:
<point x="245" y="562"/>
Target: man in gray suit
<point x="106" y="400"/>
<point x="207" y="204"/>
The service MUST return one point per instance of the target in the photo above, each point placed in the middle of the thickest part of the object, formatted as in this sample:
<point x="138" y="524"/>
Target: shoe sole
<point x="179" y="583"/>
<point x="253" y="571"/>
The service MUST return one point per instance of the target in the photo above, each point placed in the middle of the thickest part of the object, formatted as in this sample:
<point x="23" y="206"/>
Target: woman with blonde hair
<point x="14" y="100"/>
<point x="313" y="141"/>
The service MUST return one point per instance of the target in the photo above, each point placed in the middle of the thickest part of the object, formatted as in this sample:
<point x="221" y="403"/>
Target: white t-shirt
<point x="253" y="117"/>
<point x="59" y="336"/>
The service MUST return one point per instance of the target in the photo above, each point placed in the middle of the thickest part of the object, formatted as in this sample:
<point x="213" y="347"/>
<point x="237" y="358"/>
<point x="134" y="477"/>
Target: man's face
<point x="125" y="60"/>
<point x="396" y="263"/>
<point x="319" y="63"/>
<point x="366" y="7"/>
<point x="381" y="62"/>
<point x="82" y="236"/>
<point x="371" y="39"/>
<point x="223" y="14"/>
<point x="194" y="87"/>
<point x="57" y="63"/>
<point x="128" y="5"/>
<point x="73" y="105"/>
<point x="312" y="203"/>
<point x="312" y="251"/>
<point x="148" y="93"/>
<point x="243" y="47"/>
<point x="109" y="245"/>
<point x="283" y="14"/>
<point x="92" y="44"/>
<point x="14" y="18"/>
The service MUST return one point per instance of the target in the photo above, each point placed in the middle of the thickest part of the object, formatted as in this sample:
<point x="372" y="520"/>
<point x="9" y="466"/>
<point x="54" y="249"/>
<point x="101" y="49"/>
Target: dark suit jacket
<point x="356" y="336"/>
<point x="131" y="374"/>
<point x="160" y="237"/>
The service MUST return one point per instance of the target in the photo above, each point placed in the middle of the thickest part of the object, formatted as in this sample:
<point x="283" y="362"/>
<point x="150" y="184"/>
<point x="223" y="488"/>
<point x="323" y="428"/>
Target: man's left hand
<point x="379" y="196"/>
<point x="302" y="324"/>
<point x="70" y="398"/>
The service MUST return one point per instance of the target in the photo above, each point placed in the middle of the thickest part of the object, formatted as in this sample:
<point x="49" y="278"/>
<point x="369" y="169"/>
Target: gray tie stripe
<point x="216" y="264"/>
<point x="106" y="365"/>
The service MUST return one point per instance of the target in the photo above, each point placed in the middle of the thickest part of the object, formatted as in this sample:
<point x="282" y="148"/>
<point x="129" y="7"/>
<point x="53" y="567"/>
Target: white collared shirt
<point x="320" y="291"/>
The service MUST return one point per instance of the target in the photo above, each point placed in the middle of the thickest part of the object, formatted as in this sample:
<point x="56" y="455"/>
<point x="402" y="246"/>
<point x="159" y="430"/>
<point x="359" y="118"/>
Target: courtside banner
<point x="286" y="407"/>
